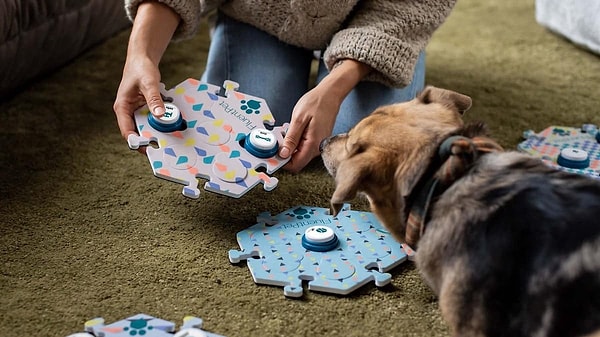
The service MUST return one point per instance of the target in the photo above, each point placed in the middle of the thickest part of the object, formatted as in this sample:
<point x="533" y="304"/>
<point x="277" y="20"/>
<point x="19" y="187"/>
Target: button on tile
<point x="261" y="143"/>
<point x="573" y="158"/>
<point x="319" y="239"/>
<point x="170" y="121"/>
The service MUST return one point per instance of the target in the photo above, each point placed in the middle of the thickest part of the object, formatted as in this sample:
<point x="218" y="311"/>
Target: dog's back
<point x="528" y="240"/>
<point x="511" y="247"/>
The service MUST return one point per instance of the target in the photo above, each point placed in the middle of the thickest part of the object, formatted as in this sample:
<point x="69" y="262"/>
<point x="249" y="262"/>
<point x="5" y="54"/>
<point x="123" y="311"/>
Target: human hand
<point x="141" y="77"/>
<point x="315" y="113"/>
<point x="312" y="121"/>
<point x="139" y="86"/>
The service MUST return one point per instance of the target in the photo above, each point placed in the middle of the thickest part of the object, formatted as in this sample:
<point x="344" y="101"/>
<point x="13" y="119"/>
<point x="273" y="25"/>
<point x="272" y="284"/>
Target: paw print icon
<point x="301" y="213"/>
<point x="250" y="106"/>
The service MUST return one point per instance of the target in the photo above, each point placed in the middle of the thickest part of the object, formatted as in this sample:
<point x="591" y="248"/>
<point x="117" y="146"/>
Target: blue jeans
<point x="278" y="72"/>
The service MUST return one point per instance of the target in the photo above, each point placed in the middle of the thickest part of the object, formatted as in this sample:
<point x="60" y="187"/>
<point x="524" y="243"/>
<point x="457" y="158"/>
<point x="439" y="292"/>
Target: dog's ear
<point x="349" y="175"/>
<point x="453" y="100"/>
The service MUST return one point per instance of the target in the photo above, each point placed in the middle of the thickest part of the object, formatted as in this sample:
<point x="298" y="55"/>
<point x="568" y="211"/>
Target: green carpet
<point x="87" y="231"/>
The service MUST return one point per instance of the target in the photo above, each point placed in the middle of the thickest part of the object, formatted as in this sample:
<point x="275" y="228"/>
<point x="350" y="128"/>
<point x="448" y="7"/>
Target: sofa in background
<point x="38" y="36"/>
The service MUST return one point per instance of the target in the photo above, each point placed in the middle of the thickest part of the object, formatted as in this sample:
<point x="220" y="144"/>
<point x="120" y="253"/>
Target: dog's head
<point x="386" y="153"/>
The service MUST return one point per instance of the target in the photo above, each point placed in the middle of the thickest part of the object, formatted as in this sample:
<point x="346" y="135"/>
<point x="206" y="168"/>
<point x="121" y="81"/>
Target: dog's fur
<point x="512" y="248"/>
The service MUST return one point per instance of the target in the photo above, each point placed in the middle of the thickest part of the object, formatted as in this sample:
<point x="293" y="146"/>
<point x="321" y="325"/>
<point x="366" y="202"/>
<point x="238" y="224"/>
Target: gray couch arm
<point x="38" y="36"/>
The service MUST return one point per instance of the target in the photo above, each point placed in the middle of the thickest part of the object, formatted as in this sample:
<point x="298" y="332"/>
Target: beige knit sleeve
<point x="388" y="35"/>
<point x="190" y="12"/>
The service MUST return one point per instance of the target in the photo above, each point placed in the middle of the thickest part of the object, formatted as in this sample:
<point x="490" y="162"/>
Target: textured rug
<point x="87" y="231"/>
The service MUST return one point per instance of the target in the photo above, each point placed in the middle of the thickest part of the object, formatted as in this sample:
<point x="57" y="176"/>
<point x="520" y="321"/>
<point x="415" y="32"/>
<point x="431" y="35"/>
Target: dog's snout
<point x="323" y="144"/>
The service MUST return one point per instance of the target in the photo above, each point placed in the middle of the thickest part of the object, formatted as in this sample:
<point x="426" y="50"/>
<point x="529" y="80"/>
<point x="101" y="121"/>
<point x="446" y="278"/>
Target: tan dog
<point x="510" y="245"/>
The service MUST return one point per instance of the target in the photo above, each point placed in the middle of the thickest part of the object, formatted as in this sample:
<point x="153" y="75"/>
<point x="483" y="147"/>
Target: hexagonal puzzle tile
<point x="208" y="136"/>
<point x="144" y="325"/>
<point x="332" y="254"/>
<point x="575" y="150"/>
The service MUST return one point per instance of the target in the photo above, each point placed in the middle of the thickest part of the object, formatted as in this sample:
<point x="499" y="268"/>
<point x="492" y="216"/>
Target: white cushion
<point x="576" y="20"/>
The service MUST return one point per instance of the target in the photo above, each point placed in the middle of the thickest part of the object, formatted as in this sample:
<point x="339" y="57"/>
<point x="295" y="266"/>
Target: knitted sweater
<point x="388" y="35"/>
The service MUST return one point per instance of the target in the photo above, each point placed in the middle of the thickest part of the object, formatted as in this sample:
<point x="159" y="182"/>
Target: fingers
<point x="153" y="98"/>
<point x="126" y="122"/>
<point x="126" y="102"/>
<point x="290" y="142"/>
<point x="148" y="86"/>
<point x="306" y="151"/>
<point x="307" y="129"/>
<point x="296" y="144"/>
<point x="124" y="119"/>
<point x="139" y="86"/>
<point x="292" y="138"/>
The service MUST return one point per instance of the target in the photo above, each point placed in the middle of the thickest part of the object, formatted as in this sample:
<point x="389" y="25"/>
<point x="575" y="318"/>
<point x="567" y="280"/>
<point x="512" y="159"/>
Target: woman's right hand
<point x="139" y="86"/>
<point x="152" y="31"/>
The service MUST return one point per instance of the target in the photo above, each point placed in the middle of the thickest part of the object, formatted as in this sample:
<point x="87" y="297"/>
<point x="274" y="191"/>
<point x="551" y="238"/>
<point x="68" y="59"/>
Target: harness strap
<point x="456" y="155"/>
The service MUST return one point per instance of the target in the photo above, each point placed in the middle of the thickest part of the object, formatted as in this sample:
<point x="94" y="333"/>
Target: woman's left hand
<point x="315" y="113"/>
<point x="312" y="121"/>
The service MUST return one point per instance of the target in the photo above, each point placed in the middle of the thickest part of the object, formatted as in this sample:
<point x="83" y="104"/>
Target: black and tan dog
<point x="510" y="245"/>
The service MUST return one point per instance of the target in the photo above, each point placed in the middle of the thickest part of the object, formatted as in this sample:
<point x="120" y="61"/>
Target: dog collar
<point x="455" y="157"/>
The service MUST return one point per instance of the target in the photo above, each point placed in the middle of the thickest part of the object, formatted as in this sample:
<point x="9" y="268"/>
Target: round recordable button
<point x="319" y="239"/>
<point x="261" y="143"/>
<point x="319" y="234"/>
<point x="170" y="121"/>
<point x="573" y="158"/>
